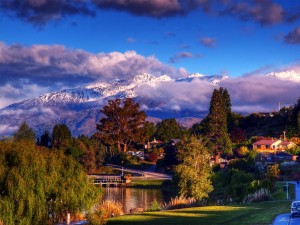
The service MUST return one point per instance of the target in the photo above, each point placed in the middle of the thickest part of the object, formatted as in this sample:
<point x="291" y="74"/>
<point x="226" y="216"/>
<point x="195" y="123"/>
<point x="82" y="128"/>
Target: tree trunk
<point x="217" y="158"/>
<point x="125" y="147"/>
<point x="119" y="146"/>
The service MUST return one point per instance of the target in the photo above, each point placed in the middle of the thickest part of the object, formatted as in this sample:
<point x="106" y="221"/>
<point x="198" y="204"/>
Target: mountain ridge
<point x="79" y="107"/>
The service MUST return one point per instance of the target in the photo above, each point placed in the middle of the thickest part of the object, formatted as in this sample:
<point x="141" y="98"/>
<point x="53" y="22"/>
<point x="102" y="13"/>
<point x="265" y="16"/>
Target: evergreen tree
<point x="296" y="117"/>
<point x="216" y="125"/>
<point x="193" y="172"/>
<point x="45" y="139"/>
<point x="168" y="129"/>
<point x="122" y="123"/>
<point x="226" y="101"/>
<point x="60" y="136"/>
<point x="24" y="133"/>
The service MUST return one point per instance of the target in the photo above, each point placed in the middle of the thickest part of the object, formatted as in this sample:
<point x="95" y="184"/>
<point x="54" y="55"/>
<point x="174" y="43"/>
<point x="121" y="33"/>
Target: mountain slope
<point x="79" y="107"/>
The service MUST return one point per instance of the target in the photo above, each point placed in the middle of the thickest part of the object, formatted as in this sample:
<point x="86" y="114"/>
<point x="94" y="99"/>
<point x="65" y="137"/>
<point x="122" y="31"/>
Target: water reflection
<point x="134" y="197"/>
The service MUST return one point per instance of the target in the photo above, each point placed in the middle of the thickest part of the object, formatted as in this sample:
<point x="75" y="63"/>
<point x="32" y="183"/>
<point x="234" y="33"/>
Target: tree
<point x="296" y="116"/>
<point x="39" y="186"/>
<point x="273" y="173"/>
<point x="237" y="135"/>
<point x="45" y="139"/>
<point x="194" y="171"/>
<point x="149" y="130"/>
<point x="168" y="129"/>
<point x="216" y="125"/>
<point x="122" y="123"/>
<point x="60" y="136"/>
<point x="24" y="133"/>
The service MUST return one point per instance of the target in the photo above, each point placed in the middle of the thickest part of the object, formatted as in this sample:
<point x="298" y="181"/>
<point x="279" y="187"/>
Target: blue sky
<point x="48" y="45"/>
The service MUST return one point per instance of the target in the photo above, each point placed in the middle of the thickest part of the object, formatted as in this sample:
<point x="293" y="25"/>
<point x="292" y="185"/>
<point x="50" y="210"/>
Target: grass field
<point x="262" y="213"/>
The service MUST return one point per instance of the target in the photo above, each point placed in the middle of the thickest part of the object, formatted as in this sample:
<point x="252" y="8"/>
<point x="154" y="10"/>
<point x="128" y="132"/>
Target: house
<point x="271" y="145"/>
<point x="153" y="143"/>
<point x="266" y="145"/>
<point x="264" y="158"/>
<point x="268" y="158"/>
<point x="286" y="145"/>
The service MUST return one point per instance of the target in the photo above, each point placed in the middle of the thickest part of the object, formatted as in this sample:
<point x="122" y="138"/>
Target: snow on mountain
<point x="290" y="75"/>
<point x="79" y="107"/>
<point x="214" y="80"/>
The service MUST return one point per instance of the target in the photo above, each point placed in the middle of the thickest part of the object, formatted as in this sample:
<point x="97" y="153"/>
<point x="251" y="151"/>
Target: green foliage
<point x="24" y="133"/>
<point x="122" y="124"/>
<point x="168" y="129"/>
<point x="242" y="151"/>
<point x="232" y="183"/>
<point x="149" y="130"/>
<point x="155" y="206"/>
<point x="294" y="151"/>
<point x="61" y="136"/>
<point x="239" y="183"/>
<point x="36" y="183"/>
<point x="45" y="139"/>
<point x="273" y="172"/>
<point x="239" y="164"/>
<point x="194" y="172"/>
<point x="216" y="123"/>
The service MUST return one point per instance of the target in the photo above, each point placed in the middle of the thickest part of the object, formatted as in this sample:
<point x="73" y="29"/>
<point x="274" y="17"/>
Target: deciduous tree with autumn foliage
<point x="122" y="124"/>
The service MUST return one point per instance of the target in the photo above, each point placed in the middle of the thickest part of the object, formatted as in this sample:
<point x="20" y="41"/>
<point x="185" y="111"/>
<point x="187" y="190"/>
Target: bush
<point x="102" y="212"/>
<point x="180" y="202"/>
<point x="155" y="206"/>
<point x="261" y="194"/>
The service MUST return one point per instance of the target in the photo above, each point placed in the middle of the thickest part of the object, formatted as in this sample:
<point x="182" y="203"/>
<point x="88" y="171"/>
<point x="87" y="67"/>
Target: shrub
<point x="155" y="206"/>
<point x="261" y="194"/>
<point x="180" y="202"/>
<point x="103" y="211"/>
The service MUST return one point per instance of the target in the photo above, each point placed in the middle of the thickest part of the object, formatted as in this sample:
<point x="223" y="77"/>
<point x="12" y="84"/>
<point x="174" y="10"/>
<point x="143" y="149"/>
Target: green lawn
<point x="252" y="214"/>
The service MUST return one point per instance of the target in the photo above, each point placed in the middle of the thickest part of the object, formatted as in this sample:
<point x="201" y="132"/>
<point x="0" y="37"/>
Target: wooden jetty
<point x="109" y="180"/>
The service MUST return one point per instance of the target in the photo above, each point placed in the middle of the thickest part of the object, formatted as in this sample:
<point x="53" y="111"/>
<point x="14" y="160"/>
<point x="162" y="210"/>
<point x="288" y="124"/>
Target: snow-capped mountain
<point x="290" y="75"/>
<point x="214" y="80"/>
<point x="79" y="108"/>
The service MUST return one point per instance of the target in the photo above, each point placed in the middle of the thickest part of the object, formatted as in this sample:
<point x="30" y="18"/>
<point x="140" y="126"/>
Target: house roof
<point x="283" y="154"/>
<point x="265" y="154"/>
<point x="286" y="143"/>
<point x="265" y="142"/>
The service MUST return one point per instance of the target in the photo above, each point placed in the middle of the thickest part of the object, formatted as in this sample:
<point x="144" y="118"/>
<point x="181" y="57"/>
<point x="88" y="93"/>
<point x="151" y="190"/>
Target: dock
<point x="109" y="180"/>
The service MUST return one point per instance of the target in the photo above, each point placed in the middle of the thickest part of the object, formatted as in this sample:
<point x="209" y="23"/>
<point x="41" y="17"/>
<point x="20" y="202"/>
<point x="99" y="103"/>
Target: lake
<point x="136" y="197"/>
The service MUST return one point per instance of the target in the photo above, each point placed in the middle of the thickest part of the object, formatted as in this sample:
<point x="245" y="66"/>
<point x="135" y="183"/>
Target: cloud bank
<point x="28" y="71"/>
<point x="249" y="93"/>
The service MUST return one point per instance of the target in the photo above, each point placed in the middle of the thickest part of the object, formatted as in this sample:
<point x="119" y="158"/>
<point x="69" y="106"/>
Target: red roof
<point x="286" y="143"/>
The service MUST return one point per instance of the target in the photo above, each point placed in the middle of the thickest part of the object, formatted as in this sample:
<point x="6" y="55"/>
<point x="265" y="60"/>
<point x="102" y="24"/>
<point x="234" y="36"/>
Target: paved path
<point x="144" y="174"/>
<point x="286" y="219"/>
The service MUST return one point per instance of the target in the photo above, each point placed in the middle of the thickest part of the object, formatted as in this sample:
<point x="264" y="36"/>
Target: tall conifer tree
<point x="216" y="122"/>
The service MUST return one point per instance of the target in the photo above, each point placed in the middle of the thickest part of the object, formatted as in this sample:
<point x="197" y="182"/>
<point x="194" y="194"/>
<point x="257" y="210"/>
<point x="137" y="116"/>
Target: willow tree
<point x="122" y="124"/>
<point x="193" y="172"/>
<point x="40" y="186"/>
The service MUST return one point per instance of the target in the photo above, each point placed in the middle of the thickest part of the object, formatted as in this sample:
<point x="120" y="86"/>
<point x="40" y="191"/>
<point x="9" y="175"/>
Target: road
<point x="286" y="219"/>
<point x="144" y="174"/>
